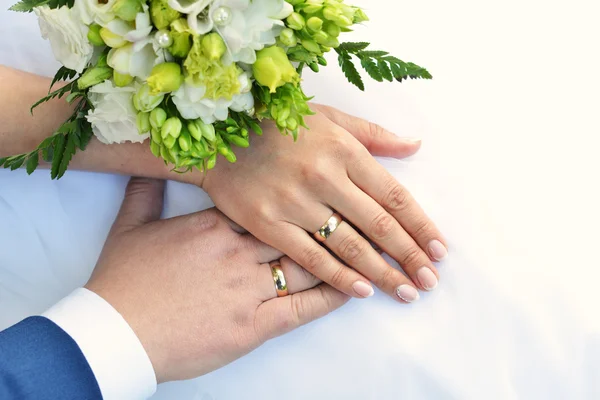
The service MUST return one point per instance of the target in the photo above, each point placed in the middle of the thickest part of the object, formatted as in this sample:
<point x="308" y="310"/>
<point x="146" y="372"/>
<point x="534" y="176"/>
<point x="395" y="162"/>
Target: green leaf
<point x="67" y="155"/>
<point x="32" y="162"/>
<point x="63" y="74"/>
<point x="57" y="93"/>
<point x="59" y="148"/>
<point x="350" y="70"/>
<point x="385" y="70"/>
<point x="352" y="47"/>
<point x="3" y="160"/>
<point x="371" y="69"/>
<point x="27" y="5"/>
<point x="85" y="133"/>
<point x="17" y="162"/>
<point x="372" y="53"/>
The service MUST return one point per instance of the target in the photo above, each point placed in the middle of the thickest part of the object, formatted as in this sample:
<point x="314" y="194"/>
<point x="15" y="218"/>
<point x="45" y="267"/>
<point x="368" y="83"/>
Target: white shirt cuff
<point x="113" y="351"/>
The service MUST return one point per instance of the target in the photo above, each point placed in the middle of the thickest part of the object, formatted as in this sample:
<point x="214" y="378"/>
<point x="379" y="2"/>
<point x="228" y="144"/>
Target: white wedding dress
<point x="509" y="171"/>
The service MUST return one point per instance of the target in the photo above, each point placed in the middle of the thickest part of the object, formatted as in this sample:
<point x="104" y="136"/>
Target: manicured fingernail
<point x="410" y="140"/>
<point x="427" y="278"/>
<point x="437" y="250"/>
<point x="407" y="293"/>
<point x="363" y="289"/>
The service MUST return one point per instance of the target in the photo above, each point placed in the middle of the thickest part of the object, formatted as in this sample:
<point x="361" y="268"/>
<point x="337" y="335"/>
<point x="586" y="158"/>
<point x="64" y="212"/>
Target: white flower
<point x="191" y="104"/>
<point x="133" y="33"/>
<point x="136" y="59"/>
<point x="94" y="11"/>
<point x="193" y="8"/>
<point x="67" y="35"/>
<point x="114" y="118"/>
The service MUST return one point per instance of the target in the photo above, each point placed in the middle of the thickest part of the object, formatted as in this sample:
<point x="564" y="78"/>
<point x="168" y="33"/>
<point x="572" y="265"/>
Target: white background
<point x="509" y="171"/>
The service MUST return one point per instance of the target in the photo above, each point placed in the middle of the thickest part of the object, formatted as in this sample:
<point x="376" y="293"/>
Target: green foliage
<point x="29" y="5"/>
<point x="59" y="93"/>
<point x="378" y="64"/>
<point x="63" y="74"/>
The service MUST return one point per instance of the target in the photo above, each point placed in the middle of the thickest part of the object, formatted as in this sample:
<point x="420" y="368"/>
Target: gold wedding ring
<point x="279" y="279"/>
<point x="328" y="228"/>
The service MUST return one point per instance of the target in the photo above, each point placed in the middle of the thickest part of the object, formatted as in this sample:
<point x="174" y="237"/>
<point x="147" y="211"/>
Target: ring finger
<point x="296" y="278"/>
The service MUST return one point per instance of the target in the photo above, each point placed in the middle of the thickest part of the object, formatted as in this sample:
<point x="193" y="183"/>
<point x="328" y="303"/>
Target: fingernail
<point x="437" y="250"/>
<point x="363" y="289"/>
<point x="407" y="293"/>
<point x="427" y="278"/>
<point x="410" y="139"/>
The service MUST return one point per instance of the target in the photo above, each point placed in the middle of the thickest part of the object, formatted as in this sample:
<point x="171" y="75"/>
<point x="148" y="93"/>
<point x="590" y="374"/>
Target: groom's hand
<point x="197" y="293"/>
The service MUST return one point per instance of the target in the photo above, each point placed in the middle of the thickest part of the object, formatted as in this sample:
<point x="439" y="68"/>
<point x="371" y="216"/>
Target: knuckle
<point x="376" y="131"/>
<point x="300" y="309"/>
<point x="312" y="259"/>
<point x="204" y="220"/>
<point x="382" y="226"/>
<point x="423" y="228"/>
<point x="352" y="248"/>
<point x="339" y="277"/>
<point x="411" y="256"/>
<point x="396" y="198"/>
<point x="386" y="278"/>
<point x="315" y="172"/>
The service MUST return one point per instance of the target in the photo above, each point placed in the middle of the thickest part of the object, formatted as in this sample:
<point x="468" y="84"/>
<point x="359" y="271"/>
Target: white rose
<point x="114" y="118"/>
<point x="94" y="11"/>
<point x="67" y="35"/>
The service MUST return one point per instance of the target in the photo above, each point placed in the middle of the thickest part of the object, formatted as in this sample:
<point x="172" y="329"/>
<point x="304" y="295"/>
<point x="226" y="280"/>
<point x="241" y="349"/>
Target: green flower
<point x="143" y="123"/>
<point x="172" y="127"/>
<point x="273" y="68"/>
<point x="213" y="46"/>
<point x="94" y="76"/>
<point x="122" y="80"/>
<point x="165" y="78"/>
<point x="112" y="39"/>
<point x="162" y="15"/>
<point x="145" y="102"/>
<point x="220" y="81"/>
<point x="94" y="35"/>
<point x="127" y="10"/>
<point x="182" y="38"/>
<point x="157" y="119"/>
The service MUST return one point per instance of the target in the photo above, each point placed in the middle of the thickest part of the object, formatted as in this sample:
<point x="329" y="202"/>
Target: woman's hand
<point x="283" y="192"/>
<point x="197" y="293"/>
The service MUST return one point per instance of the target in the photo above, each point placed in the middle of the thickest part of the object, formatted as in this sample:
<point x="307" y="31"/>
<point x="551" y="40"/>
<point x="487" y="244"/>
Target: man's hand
<point x="197" y="292"/>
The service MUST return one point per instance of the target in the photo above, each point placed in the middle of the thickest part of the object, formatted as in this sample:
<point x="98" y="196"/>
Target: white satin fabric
<point x="508" y="170"/>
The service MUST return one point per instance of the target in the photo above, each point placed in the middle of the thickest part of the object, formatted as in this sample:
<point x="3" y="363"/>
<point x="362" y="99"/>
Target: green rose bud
<point x="311" y="46"/>
<point x="332" y="29"/>
<point x="360" y="16"/>
<point x="194" y="130"/>
<point x="185" y="139"/>
<point x="127" y="10"/>
<point x="155" y="148"/>
<point x="165" y="78"/>
<point x="158" y="116"/>
<point x="144" y="101"/>
<point x="94" y="76"/>
<point x="169" y="142"/>
<point x="94" y="35"/>
<point x="273" y="68"/>
<point x="143" y="123"/>
<point x="296" y="21"/>
<point x="122" y="80"/>
<point x="288" y="37"/>
<point x="172" y="127"/>
<point x="112" y="39"/>
<point x="156" y="138"/>
<point x="213" y="46"/>
<point x="162" y="15"/>
<point x="314" y="24"/>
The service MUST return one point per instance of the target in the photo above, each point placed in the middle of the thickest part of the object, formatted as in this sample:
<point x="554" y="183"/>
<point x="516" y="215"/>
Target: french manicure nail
<point x="437" y="250"/>
<point x="407" y="293"/>
<point x="410" y="139"/>
<point x="427" y="278"/>
<point x="363" y="289"/>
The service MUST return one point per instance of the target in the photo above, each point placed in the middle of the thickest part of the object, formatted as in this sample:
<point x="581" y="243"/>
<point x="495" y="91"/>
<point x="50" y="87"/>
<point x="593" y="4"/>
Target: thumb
<point x="143" y="203"/>
<point x="379" y="141"/>
<point x="284" y="314"/>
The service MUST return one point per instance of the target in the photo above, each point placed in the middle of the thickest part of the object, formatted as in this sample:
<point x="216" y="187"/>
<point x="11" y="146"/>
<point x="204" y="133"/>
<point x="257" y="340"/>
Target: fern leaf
<point x="352" y="47"/>
<point x="350" y="71"/>
<point x="59" y="148"/>
<point x="371" y="69"/>
<point x="385" y="70"/>
<point x="63" y="74"/>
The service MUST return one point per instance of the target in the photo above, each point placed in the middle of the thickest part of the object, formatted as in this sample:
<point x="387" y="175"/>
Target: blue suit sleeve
<point x="38" y="360"/>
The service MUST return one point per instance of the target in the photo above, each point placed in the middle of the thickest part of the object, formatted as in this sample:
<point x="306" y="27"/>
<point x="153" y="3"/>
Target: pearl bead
<point x="163" y="38"/>
<point x="222" y="16"/>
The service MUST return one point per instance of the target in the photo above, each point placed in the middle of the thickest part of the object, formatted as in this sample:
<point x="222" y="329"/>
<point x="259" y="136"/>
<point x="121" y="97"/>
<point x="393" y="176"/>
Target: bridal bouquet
<point x="193" y="76"/>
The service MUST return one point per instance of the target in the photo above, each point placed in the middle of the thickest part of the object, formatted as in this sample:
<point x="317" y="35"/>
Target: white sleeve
<point x="116" y="356"/>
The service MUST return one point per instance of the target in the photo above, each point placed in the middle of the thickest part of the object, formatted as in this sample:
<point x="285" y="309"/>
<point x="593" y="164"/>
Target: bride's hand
<point x="283" y="192"/>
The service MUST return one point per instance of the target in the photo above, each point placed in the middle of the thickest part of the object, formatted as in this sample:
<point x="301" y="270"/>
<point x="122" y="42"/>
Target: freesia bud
<point x="162" y="15"/>
<point x="332" y="29"/>
<point x="208" y="130"/>
<point x="127" y="10"/>
<point x="213" y="46"/>
<point x="311" y="46"/>
<point x="156" y="138"/>
<point x="360" y="16"/>
<point x="144" y="101"/>
<point x="314" y="24"/>
<point x="169" y="142"/>
<point x="212" y="161"/>
<point x="172" y="127"/>
<point x="288" y="37"/>
<point x="194" y="130"/>
<point x="292" y="124"/>
<point x="158" y="116"/>
<point x="185" y="140"/>
<point x="94" y="35"/>
<point x="155" y="148"/>
<point x="326" y="40"/>
<point x="296" y="21"/>
<point x="273" y="68"/>
<point x="112" y="39"/>
<point x="165" y="78"/>
<point x="122" y="80"/>
<point x="94" y="76"/>
<point x="143" y="123"/>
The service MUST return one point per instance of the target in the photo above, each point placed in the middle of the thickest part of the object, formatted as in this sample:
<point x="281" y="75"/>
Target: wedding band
<point x="328" y="228"/>
<point x="279" y="279"/>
